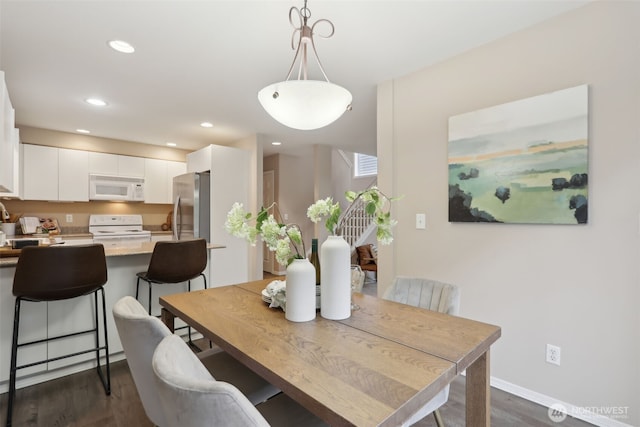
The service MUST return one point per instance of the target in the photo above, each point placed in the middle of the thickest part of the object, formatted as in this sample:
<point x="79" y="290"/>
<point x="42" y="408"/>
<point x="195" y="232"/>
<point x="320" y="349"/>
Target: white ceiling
<point x="206" y="60"/>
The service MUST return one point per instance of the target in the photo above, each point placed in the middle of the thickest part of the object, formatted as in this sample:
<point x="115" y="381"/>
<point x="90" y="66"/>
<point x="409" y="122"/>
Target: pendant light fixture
<point x="305" y="104"/>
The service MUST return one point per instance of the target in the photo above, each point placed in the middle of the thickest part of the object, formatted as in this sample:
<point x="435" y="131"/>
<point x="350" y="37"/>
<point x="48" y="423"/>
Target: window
<point x="365" y="165"/>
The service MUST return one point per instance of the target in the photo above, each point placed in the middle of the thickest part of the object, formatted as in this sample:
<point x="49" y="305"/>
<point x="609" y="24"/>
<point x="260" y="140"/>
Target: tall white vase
<point x="335" y="283"/>
<point x="300" y="291"/>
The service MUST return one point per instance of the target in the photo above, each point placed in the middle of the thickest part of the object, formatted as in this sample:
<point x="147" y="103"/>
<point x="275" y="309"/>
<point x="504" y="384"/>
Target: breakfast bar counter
<point x="144" y="248"/>
<point x="68" y="316"/>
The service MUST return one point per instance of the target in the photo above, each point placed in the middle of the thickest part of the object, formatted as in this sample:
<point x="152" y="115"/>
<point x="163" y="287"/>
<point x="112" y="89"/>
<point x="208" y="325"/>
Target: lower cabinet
<point x="33" y="326"/>
<point x="40" y="320"/>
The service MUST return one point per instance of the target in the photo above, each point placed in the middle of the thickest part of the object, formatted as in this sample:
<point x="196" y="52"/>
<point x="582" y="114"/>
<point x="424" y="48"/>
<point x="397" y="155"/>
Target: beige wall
<point x="153" y="215"/>
<point x="577" y="287"/>
<point x="253" y="144"/>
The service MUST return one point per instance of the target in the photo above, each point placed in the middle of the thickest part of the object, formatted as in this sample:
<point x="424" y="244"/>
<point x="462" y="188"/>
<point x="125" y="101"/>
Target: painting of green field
<point x="521" y="162"/>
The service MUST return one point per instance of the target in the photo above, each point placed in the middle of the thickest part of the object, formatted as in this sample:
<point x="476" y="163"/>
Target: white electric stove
<point x="118" y="230"/>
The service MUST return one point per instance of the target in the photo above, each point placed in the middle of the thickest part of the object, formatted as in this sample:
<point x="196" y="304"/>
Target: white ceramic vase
<point x="335" y="285"/>
<point x="300" y="291"/>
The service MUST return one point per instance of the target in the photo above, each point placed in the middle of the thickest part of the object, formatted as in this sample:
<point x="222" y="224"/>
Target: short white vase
<point x="335" y="284"/>
<point x="300" y="291"/>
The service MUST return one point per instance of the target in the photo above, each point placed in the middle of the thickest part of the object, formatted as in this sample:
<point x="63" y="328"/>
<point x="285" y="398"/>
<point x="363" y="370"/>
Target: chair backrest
<point x="177" y="261"/>
<point x="365" y="254"/>
<point x="140" y="334"/>
<point x="425" y="293"/>
<point x="49" y="273"/>
<point x="191" y="397"/>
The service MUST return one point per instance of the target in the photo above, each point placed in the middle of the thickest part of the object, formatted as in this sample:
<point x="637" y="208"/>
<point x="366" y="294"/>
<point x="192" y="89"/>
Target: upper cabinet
<point x="40" y="172"/>
<point x="51" y="173"/>
<point x="158" y="179"/>
<point x="61" y="174"/>
<point x="116" y="164"/>
<point x="131" y="166"/>
<point x="9" y="145"/>
<point x="199" y="161"/>
<point x="73" y="172"/>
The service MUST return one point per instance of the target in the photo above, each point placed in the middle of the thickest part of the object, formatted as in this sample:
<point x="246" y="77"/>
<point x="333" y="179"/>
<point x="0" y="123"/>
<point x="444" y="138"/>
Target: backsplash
<point x="153" y="215"/>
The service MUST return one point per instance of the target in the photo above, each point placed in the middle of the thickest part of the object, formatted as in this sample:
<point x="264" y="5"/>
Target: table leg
<point x="168" y="319"/>
<point x="478" y="396"/>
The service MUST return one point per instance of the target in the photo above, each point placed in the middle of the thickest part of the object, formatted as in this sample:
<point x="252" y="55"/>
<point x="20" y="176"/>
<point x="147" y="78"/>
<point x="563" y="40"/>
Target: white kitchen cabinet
<point x="158" y="179"/>
<point x="131" y="166"/>
<point x="116" y="164"/>
<point x="33" y="326"/>
<point x="155" y="181"/>
<point x="40" y="172"/>
<point x="103" y="163"/>
<point x="67" y="317"/>
<point x="200" y="160"/>
<point x="174" y="169"/>
<point x="73" y="175"/>
<point x="9" y="145"/>
<point x="51" y="173"/>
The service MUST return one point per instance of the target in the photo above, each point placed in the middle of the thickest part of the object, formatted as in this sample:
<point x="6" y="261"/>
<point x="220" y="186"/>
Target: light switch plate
<point x="421" y="222"/>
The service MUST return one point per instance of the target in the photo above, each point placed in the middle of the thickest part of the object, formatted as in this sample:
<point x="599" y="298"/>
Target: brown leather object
<point x="176" y="261"/>
<point x="365" y="255"/>
<point x="366" y="259"/>
<point x="59" y="272"/>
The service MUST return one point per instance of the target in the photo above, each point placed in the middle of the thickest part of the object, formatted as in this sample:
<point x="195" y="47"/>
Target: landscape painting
<point x="521" y="162"/>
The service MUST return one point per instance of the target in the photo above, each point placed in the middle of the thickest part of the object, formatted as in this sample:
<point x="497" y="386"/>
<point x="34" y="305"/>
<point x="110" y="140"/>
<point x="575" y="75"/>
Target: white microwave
<point x="116" y="188"/>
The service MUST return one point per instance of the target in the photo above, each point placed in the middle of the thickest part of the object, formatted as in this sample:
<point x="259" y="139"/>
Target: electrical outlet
<point x="553" y="354"/>
<point x="69" y="218"/>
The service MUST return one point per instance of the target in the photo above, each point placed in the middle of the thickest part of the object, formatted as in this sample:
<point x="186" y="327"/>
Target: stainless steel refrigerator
<point x="192" y="206"/>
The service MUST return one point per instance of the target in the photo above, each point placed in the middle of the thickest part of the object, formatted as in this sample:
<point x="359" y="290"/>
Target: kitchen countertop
<point x="143" y="248"/>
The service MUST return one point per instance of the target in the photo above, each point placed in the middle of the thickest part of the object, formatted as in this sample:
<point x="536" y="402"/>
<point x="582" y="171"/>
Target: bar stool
<point x="175" y="262"/>
<point x="59" y="273"/>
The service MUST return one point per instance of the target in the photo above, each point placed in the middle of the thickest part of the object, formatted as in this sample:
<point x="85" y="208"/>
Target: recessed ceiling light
<point x="206" y="125"/>
<point x="171" y="144"/>
<point x="121" y="46"/>
<point x="82" y="131"/>
<point x="276" y="143"/>
<point x="95" y="101"/>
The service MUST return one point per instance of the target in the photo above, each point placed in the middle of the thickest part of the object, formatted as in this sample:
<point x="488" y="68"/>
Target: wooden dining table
<point x="376" y="368"/>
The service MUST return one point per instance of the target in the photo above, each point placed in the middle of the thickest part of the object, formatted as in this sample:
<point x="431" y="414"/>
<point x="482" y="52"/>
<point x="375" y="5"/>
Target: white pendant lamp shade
<point x="305" y="104"/>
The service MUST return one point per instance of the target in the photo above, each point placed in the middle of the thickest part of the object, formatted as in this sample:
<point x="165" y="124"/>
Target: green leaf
<point x="370" y="208"/>
<point x="350" y="195"/>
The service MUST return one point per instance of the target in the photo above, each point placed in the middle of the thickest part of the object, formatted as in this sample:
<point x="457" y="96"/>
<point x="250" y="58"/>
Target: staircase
<point x="356" y="224"/>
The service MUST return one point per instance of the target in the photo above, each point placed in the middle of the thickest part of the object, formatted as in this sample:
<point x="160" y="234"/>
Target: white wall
<point x="573" y="286"/>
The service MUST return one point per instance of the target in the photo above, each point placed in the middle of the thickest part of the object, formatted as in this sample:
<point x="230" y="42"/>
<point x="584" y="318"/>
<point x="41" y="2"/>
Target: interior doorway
<point x="268" y="197"/>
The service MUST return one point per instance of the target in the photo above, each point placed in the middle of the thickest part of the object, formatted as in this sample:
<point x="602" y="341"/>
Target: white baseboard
<point x="581" y="413"/>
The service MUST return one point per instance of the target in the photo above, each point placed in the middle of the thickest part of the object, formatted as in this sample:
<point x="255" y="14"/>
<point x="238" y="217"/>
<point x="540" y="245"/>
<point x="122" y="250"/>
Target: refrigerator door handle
<point x="177" y="219"/>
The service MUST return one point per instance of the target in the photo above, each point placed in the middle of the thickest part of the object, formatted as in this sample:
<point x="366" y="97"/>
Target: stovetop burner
<point x="113" y="226"/>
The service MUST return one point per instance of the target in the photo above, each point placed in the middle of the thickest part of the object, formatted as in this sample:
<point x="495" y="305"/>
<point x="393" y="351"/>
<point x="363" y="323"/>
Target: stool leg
<point x="137" y="286"/>
<point x="189" y="328"/>
<point x="14" y="361"/>
<point x="107" y="383"/>
<point x="150" y="286"/>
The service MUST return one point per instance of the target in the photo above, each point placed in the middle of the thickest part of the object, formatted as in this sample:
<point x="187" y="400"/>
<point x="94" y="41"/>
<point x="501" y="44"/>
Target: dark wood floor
<point x="79" y="401"/>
